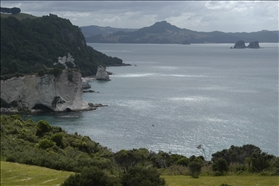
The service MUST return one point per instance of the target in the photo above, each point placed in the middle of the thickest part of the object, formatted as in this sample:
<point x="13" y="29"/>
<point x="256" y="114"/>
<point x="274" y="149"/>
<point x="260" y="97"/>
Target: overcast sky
<point x="226" y="16"/>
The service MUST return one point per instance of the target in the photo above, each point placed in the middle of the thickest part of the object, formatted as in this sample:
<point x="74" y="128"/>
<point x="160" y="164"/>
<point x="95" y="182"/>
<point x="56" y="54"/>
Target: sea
<point x="176" y="98"/>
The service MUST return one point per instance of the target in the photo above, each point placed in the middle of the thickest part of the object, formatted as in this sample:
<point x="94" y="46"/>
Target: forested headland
<point x="30" y="45"/>
<point x="40" y="143"/>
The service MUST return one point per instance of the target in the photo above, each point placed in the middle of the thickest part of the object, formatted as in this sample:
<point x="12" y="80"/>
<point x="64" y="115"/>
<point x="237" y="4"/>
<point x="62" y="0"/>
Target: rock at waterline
<point x="253" y="44"/>
<point x="85" y="84"/>
<point x="102" y="74"/>
<point x="239" y="44"/>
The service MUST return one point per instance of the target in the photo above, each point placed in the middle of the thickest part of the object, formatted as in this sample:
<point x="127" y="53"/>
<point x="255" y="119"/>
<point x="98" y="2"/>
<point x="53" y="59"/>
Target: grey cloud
<point x="194" y="15"/>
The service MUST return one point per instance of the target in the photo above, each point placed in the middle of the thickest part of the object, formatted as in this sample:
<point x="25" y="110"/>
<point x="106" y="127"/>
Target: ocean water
<point x="176" y="97"/>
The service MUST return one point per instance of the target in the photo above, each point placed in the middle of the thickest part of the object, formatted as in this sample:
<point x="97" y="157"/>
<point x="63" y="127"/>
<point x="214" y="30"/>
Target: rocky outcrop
<point x="56" y="93"/>
<point x="85" y="84"/>
<point x="102" y="74"/>
<point x="240" y="44"/>
<point x="254" y="44"/>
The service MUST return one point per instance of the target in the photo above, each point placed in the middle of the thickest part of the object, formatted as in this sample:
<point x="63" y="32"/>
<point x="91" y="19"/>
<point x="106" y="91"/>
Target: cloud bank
<point x="226" y="16"/>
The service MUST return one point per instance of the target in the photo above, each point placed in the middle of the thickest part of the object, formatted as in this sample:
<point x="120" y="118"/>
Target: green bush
<point x="195" y="168"/>
<point x="41" y="72"/>
<point x="91" y="176"/>
<point x="58" y="139"/>
<point x="220" y="165"/>
<point x="42" y="127"/>
<point x="140" y="176"/>
<point x="45" y="144"/>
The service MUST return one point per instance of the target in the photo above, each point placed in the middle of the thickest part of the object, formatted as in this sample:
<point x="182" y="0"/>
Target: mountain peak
<point x="161" y="26"/>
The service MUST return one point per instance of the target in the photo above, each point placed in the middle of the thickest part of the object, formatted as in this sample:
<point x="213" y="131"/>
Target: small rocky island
<point x="241" y="44"/>
<point x="102" y="74"/>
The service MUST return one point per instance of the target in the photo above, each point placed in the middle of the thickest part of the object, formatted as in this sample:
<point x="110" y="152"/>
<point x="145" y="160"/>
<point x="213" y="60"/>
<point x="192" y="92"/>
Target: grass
<point x="247" y="180"/>
<point x="20" y="174"/>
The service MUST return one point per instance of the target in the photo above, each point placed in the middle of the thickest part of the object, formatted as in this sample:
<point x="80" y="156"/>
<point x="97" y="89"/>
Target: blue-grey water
<point x="176" y="97"/>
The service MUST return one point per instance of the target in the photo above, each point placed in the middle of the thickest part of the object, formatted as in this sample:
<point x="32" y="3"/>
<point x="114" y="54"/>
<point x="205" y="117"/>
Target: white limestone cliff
<point x="60" y="93"/>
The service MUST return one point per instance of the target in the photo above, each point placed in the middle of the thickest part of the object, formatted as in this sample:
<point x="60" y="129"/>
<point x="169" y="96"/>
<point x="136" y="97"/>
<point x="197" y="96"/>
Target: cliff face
<point x="58" y="93"/>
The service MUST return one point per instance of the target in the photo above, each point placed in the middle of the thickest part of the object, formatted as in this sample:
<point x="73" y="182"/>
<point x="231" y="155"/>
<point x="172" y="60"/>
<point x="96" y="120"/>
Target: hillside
<point x="40" y="143"/>
<point x="30" y="45"/>
<point x="164" y="32"/>
<point x="95" y="30"/>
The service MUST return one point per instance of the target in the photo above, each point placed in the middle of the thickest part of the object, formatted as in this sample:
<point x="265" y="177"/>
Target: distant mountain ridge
<point x="164" y="32"/>
<point x="95" y="30"/>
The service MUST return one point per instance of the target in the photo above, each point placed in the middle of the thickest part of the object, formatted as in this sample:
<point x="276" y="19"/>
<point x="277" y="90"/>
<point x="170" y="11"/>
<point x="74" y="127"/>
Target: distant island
<point x="241" y="44"/>
<point x="165" y="33"/>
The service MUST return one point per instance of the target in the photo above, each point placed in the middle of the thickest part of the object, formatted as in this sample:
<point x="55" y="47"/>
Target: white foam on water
<point x="191" y="98"/>
<point x="134" y="75"/>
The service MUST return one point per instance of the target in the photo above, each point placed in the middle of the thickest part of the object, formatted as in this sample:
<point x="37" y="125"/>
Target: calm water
<point x="176" y="97"/>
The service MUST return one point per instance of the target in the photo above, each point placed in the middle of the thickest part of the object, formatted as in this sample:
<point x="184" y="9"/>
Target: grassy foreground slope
<point x="20" y="174"/>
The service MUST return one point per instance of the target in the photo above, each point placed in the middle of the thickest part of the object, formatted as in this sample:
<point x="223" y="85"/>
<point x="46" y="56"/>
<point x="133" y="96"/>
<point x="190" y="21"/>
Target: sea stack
<point x="253" y="44"/>
<point x="240" y="44"/>
<point x="102" y="74"/>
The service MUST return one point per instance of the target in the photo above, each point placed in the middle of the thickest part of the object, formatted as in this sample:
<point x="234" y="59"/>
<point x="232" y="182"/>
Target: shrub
<point x="91" y="176"/>
<point x="139" y="176"/>
<point x="220" y="165"/>
<point x="195" y="168"/>
<point x="42" y="127"/>
<point x="41" y="72"/>
<point x="45" y="143"/>
<point x="58" y="139"/>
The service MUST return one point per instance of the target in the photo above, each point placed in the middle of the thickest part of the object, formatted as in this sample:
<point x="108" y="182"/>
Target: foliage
<point x="42" y="127"/>
<point x="28" y="142"/>
<point x="139" y="176"/>
<point x="91" y="176"/>
<point x="195" y="168"/>
<point x="220" y="165"/>
<point x="39" y="143"/>
<point x="31" y="45"/>
<point x="256" y="159"/>
<point x="45" y="143"/>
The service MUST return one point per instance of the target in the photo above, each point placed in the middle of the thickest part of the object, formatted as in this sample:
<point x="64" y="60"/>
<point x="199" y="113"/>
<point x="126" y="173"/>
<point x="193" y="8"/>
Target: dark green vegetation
<point x="13" y="10"/>
<point x="31" y="46"/>
<point x="28" y="142"/>
<point x="163" y="32"/>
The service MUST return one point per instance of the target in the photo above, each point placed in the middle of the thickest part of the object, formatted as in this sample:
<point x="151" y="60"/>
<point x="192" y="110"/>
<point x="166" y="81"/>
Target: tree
<point x="220" y="165"/>
<point x="42" y="127"/>
<point x="195" y="168"/>
<point x="15" y="10"/>
<point x="90" y="177"/>
<point x="140" y="176"/>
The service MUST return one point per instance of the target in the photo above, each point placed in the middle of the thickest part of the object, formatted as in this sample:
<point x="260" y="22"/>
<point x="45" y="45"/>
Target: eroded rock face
<point x="85" y="84"/>
<point x="254" y="44"/>
<point x="240" y="44"/>
<point x="56" y="93"/>
<point x="102" y="73"/>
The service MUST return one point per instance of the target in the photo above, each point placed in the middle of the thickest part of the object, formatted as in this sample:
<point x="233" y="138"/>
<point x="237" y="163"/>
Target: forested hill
<point x="164" y="32"/>
<point x="30" y="45"/>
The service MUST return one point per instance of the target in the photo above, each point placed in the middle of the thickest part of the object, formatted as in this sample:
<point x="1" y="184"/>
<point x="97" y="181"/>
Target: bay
<point x="176" y="97"/>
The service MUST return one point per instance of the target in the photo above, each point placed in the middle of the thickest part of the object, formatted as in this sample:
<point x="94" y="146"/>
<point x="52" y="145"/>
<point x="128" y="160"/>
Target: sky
<point x="225" y="16"/>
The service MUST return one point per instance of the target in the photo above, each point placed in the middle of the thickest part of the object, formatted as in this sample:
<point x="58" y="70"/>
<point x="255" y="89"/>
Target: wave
<point x="191" y="98"/>
<point x="158" y="75"/>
